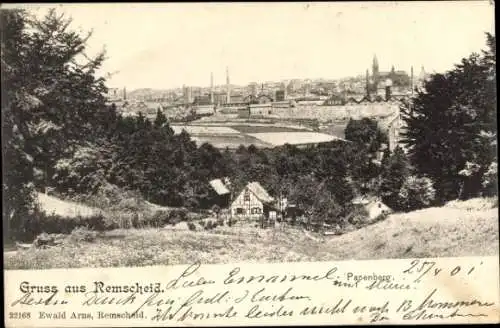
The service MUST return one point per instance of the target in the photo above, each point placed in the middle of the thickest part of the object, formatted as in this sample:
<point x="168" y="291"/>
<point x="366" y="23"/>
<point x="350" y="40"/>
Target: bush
<point x="416" y="192"/>
<point x="159" y="219"/>
<point x="191" y="226"/>
<point x="210" y="225"/>
<point x="178" y="215"/>
<point x="120" y="220"/>
<point x="45" y="240"/>
<point x="80" y="234"/>
<point x="358" y="216"/>
<point x="39" y="222"/>
<point x="220" y="222"/>
<point x="490" y="180"/>
<point x="192" y="216"/>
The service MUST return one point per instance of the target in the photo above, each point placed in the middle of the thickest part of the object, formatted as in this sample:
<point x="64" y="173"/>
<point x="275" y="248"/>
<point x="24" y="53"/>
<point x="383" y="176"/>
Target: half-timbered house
<point x="253" y="202"/>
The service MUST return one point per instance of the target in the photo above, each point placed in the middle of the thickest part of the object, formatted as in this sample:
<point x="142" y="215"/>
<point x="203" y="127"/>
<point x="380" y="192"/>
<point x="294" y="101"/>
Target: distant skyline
<point x="163" y="46"/>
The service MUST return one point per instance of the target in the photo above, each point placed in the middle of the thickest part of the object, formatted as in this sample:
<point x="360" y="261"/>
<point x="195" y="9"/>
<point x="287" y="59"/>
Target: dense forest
<point x="59" y="132"/>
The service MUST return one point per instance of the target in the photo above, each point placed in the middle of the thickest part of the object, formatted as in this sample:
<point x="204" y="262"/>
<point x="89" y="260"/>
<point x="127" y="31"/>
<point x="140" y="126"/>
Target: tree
<point x="365" y="132"/>
<point x="160" y="118"/>
<point x="17" y="186"/>
<point x="452" y="123"/>
<point x="52" y="102"/>
<point x="416" y="192"/>
<point x="395" y="172"/>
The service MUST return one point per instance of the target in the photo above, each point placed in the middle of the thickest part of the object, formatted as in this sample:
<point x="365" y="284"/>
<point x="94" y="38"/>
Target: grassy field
<point x="264" y="129"/>
<point x="457" y="229"/>
<point x="229" y="141"/>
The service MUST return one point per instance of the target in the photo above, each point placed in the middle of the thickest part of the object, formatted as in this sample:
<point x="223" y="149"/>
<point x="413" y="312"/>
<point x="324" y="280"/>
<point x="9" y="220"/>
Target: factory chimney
<point x="367" y="84"/>
<point x="212" y="100"/>
<point x="228" y="91"/>
<point x="411" y="81"/>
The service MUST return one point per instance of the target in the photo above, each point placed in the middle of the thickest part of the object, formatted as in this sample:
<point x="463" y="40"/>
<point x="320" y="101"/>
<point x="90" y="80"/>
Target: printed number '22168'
<point x="19" y="315"/>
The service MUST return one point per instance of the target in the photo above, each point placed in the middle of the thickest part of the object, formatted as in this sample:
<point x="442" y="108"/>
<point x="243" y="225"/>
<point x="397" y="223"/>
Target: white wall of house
<point x="247" y="205"/>
<point x="375" y="209"/>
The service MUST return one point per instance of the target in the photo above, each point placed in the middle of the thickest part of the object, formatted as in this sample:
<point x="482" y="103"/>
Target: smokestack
<point x="124" y="93"/>
<point x="228" y="91"/>
<point x="411" y="81"/>
<point x="367" y="84"/>
<point x="212" y="88"/>
<point x="387" y="92"/>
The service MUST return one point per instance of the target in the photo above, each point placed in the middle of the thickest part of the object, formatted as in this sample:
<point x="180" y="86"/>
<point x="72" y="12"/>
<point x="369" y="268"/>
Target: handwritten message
<point x="446" y="290"/>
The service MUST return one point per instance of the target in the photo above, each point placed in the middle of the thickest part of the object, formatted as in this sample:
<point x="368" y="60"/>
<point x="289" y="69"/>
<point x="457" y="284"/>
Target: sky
<point x="169" y="45"/>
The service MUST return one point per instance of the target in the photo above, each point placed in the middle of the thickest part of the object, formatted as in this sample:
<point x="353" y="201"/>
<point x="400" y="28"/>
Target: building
<point x="253" y="202"/>
<point x="260" y="109"/>
<point x="219" y="194"/>
<point x="373" y="206"/>
<point x="375" y="83"/>
<point x="280" y="95"/>
<point x="116" y="94"/>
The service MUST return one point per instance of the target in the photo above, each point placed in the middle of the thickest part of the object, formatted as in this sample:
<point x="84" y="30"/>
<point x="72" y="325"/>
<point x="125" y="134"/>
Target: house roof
<point x="260" y="192"/>
<point x="369" y="202"/>
<point x="219" y="187"/>
<point x="364" y="200"/>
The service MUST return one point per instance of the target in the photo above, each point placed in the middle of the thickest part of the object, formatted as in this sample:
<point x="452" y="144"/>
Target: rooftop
<point x="219" y="187"/>
<point x="260" y="192"/>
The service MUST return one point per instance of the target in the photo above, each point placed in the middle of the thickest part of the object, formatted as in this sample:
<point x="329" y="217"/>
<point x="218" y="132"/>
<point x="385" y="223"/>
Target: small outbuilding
<point x="373" y="206"/>
<point x="220" y="195"/>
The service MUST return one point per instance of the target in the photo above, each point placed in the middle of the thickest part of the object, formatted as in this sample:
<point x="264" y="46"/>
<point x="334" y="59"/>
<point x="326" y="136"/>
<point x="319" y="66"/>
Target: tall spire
<point x="375" y="69"/>
<point x="375" y="61"/>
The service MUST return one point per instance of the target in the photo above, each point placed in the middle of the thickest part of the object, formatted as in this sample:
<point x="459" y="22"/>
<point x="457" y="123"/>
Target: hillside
<point x="457" y="229"/>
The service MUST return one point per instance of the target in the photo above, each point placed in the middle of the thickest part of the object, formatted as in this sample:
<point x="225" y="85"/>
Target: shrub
<point x="416" y="192"/>
<point x="45" y="240"/>
<point x="192" y="216"/>
<point x="358" y="216"/>
<point x="216" y="210"/>
<point x="178" y="215"/>
<point x="210" y="225"/>
<point x="220" y="222"/>
<point x="80" y="234"/>
<point x="490" y="180"/>
<point x="118" y="220"/>
<point x="191" y="226"/>
<point x="39" y="222"/>
<point x="159" y="219"/>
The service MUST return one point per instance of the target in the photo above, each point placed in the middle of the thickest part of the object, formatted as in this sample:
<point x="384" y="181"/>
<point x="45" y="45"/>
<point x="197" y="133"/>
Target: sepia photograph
<point x="138" y="135"/>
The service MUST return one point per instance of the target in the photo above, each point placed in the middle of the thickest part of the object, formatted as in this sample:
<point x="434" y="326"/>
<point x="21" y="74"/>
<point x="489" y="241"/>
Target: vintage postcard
<point x="227" y="164"/>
